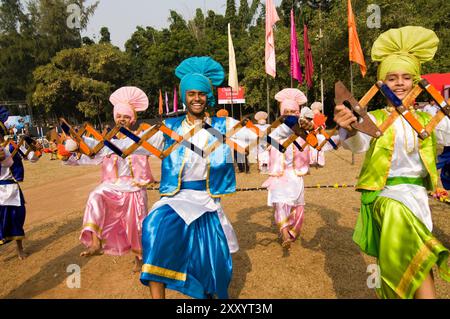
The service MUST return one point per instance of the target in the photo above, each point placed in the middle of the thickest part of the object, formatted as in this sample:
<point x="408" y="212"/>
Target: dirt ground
<point x="324" y="263"/>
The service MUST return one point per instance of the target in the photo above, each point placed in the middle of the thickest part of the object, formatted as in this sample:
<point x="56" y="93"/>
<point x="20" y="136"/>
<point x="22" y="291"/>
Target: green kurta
<point x="387" y="229"/>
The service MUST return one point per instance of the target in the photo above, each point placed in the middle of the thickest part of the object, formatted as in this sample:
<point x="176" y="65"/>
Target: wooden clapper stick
<point x="402" y="109"/>
<point x="444" y="107"/>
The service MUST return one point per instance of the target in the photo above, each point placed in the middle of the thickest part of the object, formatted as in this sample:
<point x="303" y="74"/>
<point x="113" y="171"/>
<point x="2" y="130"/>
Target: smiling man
<point x="187" y="238"/>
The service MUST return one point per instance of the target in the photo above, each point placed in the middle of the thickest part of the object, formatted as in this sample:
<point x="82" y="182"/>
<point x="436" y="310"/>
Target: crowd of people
<point x="184" y="241"/>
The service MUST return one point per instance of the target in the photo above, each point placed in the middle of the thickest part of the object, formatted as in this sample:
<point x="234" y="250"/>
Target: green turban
<point x="404" y="49"/>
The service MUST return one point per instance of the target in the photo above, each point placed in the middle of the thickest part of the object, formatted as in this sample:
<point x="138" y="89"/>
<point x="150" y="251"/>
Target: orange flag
<point x="354" y="47"/>
<point x="160" y="109"/>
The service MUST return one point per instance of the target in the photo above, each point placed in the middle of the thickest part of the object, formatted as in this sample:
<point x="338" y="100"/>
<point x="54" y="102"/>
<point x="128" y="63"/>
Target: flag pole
<point x="268" y="99"/>
<point x="321" y="54"/>
<point x="232" y="105"/>
<point x="290" y="56"/>
<point x="321" y="83"/>
<point x="351" y="90"/>
<point x="351" y="77"/>
<point x="160" y="106"/>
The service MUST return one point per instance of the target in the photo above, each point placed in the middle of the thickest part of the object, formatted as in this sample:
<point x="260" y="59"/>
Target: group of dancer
<point x="185" y="241"/>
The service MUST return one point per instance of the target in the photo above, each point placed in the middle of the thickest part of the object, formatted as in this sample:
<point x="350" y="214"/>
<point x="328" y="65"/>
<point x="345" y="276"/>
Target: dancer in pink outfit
<point x="116" y="208"/>
<point x="285" y="184"/>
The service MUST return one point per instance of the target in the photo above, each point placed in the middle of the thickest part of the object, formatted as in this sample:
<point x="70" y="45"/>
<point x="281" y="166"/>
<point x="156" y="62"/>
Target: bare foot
<point x="137" y="265"/>
<point x="287" y="243"/>
<point x="22" y="254"/>
<point x="287" y="239"/>
<point x="92" y="251"/>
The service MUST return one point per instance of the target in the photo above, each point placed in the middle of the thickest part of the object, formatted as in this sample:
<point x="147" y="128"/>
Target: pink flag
<point x="271" y="19"/>
<point x="167" y="104"/>
<point x="309" y="66"/>
<point x="175" y="100"/>
<point x="296" y="71"/>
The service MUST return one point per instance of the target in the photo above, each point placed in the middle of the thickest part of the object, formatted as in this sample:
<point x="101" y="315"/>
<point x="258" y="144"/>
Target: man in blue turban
<point x="187" y="238"/>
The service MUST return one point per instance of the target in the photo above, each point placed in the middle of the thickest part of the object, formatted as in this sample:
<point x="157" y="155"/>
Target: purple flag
<point x="175" y="100"/>
<point x="167" y="104"/>
<point x="309" y="66"/>
<point x="296" y="71"/>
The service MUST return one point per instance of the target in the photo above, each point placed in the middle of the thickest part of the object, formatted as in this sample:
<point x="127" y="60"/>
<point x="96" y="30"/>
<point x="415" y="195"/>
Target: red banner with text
<point x="225" y="96"/>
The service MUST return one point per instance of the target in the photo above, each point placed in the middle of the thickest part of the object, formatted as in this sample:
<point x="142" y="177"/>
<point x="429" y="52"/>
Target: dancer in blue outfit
<point x="187" y="239"/>
<point x="12" y="203"/>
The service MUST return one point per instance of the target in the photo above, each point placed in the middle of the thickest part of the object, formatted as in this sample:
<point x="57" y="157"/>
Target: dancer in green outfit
<point x="395" y="223"/>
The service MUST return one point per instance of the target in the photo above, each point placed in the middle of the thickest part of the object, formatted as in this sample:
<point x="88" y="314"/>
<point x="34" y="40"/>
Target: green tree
<point x="11" y="16"/>
<point x="27" y="41"/>
<point x="215" y="22"/>
<point x="332" y="49"/>
<point x="154" y="54"/>
<point x="15" y="58"/>
<point x="230" y="12"/>
<point x="244" y="17"/>
<point x="105" y="35"/>
<point x="80" y="79"/>
<point x="87" y="41"/>
<point x="197" y="26"/>
<point x="52" y="32"/>
<point x="254" y="8"/>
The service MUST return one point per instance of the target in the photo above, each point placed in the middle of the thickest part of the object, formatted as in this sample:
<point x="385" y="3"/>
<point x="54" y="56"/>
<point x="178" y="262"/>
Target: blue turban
<point x="201" y="74"/>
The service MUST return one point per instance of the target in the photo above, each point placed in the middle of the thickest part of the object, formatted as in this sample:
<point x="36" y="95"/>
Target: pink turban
<point x="128" y="100"/>
<point x="317" y="107"/>
<point x="290" y="99"/>
<point x="261" y="117"/>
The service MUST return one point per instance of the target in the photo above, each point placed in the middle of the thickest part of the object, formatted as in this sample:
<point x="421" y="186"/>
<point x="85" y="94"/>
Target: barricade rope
<point x="255" y="189"/>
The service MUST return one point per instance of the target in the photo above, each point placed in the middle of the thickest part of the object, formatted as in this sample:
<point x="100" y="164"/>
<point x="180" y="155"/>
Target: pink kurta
<point x="285" y="183"/>
<point x="286" y="188"/>
<point x="117" y="207"/>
